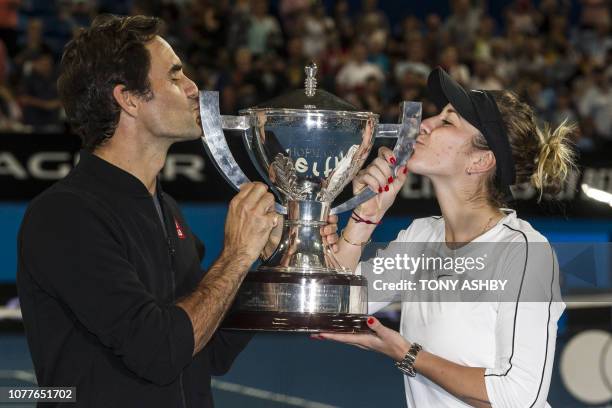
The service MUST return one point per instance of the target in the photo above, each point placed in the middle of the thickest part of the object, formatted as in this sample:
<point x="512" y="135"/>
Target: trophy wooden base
<point x="296" y="322"/>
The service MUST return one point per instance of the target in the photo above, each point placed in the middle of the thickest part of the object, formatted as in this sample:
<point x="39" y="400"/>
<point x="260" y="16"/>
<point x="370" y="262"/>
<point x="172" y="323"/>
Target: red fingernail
<point x="392" y="160"/>
<point x="370" y="320"/>
<point x="405" y="170"/>
<point x="380" y="189"/>
<point x="390" y="180"/>
<point x="387" y="187"/>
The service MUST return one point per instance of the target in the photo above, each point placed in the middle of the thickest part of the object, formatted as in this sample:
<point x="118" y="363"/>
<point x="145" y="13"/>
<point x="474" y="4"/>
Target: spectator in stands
<point x="175" y="27"/>
<point x="291" y="14"/>
<point x="449" y="60"/>
<point x="82" y="12"/>
<point x="239" y="87"/>
<point x="506" y="66"/>
<point x="371" y="98"/>
<point x="239" y="18"/>
<point x="414" y="60"/>
<point x="34" y="42"/>
<point x="593" y="12"/>
<point x="343" y="22"/>
<point x="377" y="50"/>
<point x="38" y="95"/>
<point x="357" y="70"/>
<point x="334" y="57"/>
<point x="371" y="19"/>
<point x="483" y="77"/>
<point x="9" y="16"/>
<point x="208" y="30"/>
<point x="435" y="37"/>
<point x="10" y="112"/>
<point x="585" y="139"/>
<point x="270" y="79"/>
<point x="316" y="29"/>
<point x="535" y="43"/>
<point x="411" y="28"/>
<point x="596" y="41"/>
<point x="463" y="23"/>
<point x="595" y="102"/>
<point x="531" y="59"/>
<point x="564" y="109"/>
<point x="264" y="32"/>
<point x="295" y="63"/>
<point x="483" y="38"/>
<point x="522" y="17"/>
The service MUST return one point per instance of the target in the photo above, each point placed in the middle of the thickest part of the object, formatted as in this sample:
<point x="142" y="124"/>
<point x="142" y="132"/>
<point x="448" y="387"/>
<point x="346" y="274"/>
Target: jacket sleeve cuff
<point x="182" y="331"/>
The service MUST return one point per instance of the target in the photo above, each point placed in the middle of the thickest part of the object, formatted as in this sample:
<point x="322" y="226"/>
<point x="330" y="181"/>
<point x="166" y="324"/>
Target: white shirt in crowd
<point x="355" y="74"/>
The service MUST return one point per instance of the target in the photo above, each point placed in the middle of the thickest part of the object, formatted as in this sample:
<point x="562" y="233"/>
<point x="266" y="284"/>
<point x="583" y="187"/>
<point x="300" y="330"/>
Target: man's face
<point x="173" y="112"/>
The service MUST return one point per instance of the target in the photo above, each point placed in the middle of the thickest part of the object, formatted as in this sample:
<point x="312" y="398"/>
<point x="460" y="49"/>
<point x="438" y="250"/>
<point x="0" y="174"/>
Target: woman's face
<point x="444" y="145"/>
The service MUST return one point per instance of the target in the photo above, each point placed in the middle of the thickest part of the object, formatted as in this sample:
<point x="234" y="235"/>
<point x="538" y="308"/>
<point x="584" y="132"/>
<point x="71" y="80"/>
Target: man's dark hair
<point x="111" y="52"/>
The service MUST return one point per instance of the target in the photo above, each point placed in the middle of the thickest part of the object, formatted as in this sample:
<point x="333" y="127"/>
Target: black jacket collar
<point x="112" y="176"/>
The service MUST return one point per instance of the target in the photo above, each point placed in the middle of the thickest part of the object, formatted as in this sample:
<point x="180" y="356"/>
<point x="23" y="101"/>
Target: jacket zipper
<point x="171" y="253"/>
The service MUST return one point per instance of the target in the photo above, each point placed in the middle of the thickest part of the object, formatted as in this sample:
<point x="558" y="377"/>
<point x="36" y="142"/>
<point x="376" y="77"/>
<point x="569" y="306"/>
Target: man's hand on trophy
<point x="378" y="176"/>
<point x="273" y="240"/>
<point x="250" y="220"/>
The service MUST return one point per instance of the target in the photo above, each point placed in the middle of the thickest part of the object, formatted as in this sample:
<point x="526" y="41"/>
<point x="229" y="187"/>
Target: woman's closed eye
<point x="446" y="123"/>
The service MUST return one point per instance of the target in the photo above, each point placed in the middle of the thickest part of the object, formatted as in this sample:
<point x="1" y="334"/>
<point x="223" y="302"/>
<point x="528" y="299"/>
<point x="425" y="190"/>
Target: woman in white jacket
<point x="497" y="352"/>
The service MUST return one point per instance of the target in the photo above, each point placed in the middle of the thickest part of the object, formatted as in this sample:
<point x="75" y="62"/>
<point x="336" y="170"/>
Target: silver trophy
<point x="307" y="146"/>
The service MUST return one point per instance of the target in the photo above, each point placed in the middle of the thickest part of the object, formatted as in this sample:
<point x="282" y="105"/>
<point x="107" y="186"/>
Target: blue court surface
<point x="285" y="370"/>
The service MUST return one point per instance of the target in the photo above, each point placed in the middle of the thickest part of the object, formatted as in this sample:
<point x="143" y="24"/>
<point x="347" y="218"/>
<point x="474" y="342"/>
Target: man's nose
<point x="191" y="89"/>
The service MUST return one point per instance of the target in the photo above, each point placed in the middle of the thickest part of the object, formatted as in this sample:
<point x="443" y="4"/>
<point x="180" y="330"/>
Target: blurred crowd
<point x="555" y="56"/>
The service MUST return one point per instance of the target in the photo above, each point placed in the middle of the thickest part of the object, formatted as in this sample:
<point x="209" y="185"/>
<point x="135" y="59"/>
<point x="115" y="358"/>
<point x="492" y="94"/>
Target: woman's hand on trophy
<point x="330" y="232"/>
<point x="382" y="339"/>
<point x="379" y="177"/>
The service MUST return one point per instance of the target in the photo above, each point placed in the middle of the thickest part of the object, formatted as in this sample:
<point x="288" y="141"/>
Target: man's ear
<point x="483" y="161"/>
<point x="126" y="100"/>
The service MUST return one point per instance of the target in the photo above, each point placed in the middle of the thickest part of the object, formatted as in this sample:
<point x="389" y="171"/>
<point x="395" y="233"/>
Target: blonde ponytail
<point x="543" y="158"/>
<point x="555" y="160"/>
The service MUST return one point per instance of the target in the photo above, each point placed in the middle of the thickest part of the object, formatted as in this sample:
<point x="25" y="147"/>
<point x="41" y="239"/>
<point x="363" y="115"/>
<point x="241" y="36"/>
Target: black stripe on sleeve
<point x="517" y="302"/>
<point x="516" y="312"/>
<point x="547" y="326"/>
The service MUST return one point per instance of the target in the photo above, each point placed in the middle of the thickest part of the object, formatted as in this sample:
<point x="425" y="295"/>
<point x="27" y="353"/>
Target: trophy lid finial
<point x="308" y="98"/>
<point x="310" y="83"/>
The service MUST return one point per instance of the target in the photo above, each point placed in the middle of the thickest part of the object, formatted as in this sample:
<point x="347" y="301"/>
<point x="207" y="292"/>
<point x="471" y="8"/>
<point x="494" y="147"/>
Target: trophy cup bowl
<point x="307" y="146"/>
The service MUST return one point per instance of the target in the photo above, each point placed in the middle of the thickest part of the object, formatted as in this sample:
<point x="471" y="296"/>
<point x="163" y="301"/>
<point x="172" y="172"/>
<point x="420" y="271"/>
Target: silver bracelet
<point x="406" y="365"/>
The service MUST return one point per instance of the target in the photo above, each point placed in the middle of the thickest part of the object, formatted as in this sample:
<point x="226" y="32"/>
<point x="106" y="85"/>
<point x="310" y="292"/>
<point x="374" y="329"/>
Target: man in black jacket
<point x="113" y="298"/>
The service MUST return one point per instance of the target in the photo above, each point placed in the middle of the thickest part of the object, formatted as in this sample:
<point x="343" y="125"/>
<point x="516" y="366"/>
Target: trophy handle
<point x="249" y="148"/>
<point x="216" y="145"/>
<point x="405" y="132"/>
